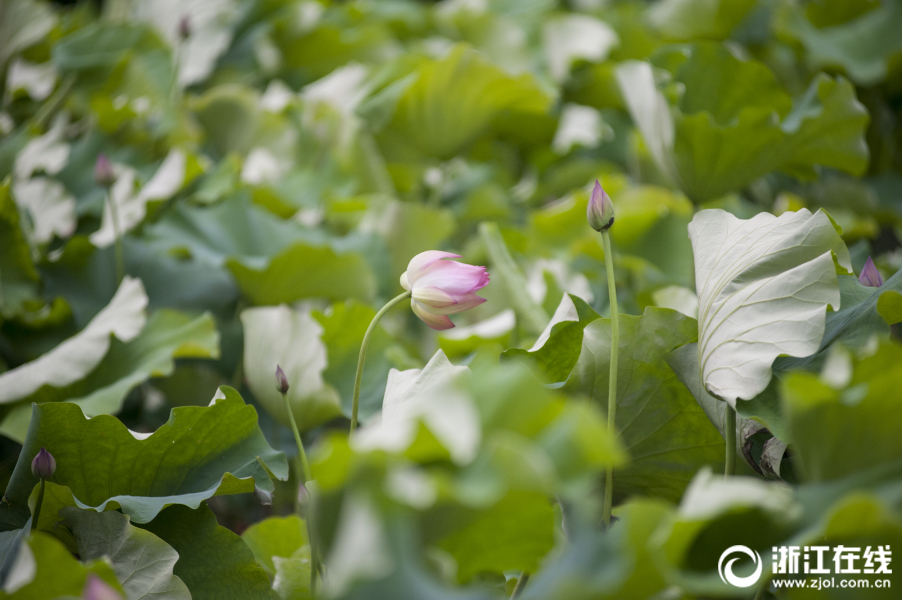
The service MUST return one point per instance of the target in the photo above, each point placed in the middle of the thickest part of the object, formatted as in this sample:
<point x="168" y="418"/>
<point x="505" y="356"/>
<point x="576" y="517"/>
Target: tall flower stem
<point x="37" y="507"/>
<point x="305" y="476"/>
<point x="117" y="245"/>
<point x="521" y="584"/>
<point x="730" y="437"/>
<point x="612" y="377"/>
<point x="362" y="357"/>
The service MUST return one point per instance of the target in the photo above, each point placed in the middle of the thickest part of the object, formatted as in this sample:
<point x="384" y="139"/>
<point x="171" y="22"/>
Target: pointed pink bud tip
<point x="439" y="288"/>
<point x="97" y="589"/>
<point x="43" y="466"/>
<point x="281" y="380"/>
<point x="185" y="27"/>
<point x="103" y="171"/>
<point x="870" y="276"/>
<point x="600" y="212"/>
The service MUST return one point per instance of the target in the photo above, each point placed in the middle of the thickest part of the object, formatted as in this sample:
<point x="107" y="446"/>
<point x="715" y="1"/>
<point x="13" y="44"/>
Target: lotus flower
<point x="440" y="288"/>
<point x="43" y="465"/>
<point x="103" y="171"/>
<point x="870" y="276"/>
<point x="600" y="211"/>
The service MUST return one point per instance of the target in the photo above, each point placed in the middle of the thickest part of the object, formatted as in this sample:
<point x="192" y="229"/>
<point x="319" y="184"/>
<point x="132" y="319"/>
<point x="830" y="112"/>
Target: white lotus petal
<point x="764" y="285"/>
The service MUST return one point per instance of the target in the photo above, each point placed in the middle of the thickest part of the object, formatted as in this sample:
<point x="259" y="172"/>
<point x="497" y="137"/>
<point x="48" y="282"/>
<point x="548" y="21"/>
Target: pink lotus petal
<point x="437" y="322"/>
<point x="453" y="277"/>
<point x="422" y="260"/>
<point x="870" y="276"/>
<point x="433" y="297"/>
<point x="465" y="302"/>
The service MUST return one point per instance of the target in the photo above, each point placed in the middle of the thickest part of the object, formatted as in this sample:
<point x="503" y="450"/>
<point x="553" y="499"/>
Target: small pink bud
<point x="442" y="287"/>
<point x="103" y="171"/>
<point x="281" y="380"/>
<point x="601" y="210"/>
<point x="184" y="27"/>
<point x="43" y="466"/>
<point x="97" y="589"/>
<point x="870" y="276"/>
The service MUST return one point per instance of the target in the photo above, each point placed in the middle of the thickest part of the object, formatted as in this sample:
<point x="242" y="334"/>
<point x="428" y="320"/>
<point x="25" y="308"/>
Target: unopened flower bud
<point x="103" y="171"/>
<point x="870" y="276"/>
<point x="43" y="466"/>
<point x="184" y="27"/>
<point x="600" y="211"/>
<point x="97" y="589"/>
<point x="281" y="380"/>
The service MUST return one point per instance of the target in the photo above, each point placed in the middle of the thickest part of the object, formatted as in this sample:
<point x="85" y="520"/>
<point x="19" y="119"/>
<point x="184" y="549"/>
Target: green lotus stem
<point x="117" y="244"/>
<point x="362" y="357"/>
<point x="37" y="508"/>
<point x="302" y="456"/>
<point x="305" y="476"/>
<point x="730" y="437"/>
<point x="521" y="583"/>
<point x="612" y="377"/>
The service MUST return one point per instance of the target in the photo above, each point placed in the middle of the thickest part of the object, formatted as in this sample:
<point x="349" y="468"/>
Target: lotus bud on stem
<point x="600" y="214"/>
<point x="436" y="288"/>
<point x="304" y="475"/>
<point x="43" y="466"/>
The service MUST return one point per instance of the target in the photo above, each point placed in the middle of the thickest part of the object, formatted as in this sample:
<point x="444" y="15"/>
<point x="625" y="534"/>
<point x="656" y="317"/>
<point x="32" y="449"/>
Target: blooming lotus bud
<point x="281" y="380"/>
<point x="43" y="466"/>
<point x="97" y="589"/>
<point x="103" y="171"/>
<point x="184" y="27"/>
<point x="870" y="276"/>
<point x="600" y="211"/>
<point x="442" y="287"/>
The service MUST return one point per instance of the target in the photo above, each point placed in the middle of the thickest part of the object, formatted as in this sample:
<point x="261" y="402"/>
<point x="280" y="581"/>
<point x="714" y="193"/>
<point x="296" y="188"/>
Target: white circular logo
<point x="726" y="572"/>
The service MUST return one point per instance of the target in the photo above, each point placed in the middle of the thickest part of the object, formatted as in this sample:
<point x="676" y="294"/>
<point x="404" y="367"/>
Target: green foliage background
<point x="275" y="170"/>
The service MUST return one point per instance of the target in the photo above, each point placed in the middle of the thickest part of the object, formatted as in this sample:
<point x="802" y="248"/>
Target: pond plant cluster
<point x="458" y="300"/>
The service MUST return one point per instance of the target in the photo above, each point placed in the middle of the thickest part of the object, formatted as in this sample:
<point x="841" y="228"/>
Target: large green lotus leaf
<point x="840" y="420"/>
<point x="666" y="433"/>
<point x="168" y="336"/>
<point x="74" y="359"/>
<point x="142" y="561"/>
<point x="18" y="276"/>
<point x="22" y="23"/>
<point x="558" y="348"/>
<point x="862" y="46"/>
<point x="764" y="285"/>
<point x="426" y="414"/>
<point x="714" y="514"/>
<point x="857" y="321"/>
<point x="272" y="260"/>
<point x="305" y="271"/>
<point x="515" y="533"/>
<point x="685" y="20"/>
<point x="101" y="46"/>
<point x="731" y="122"/>
<point x="343" y="327"/>
<point x="617" y="564"/>
<point x="43" y="568"/>
<point x="445" y="104"/>
<point x="199" y="452"/>
<point x="213" y="562"/>
<point x="278" y="336"/>
<point x="275" y="537"/>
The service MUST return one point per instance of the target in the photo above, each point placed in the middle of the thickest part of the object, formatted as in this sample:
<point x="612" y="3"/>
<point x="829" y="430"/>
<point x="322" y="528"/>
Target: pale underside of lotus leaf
<point x="764" y="286"/>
